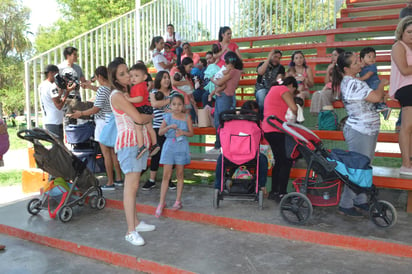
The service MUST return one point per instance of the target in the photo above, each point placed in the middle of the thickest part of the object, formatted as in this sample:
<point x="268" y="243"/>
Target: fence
<point x="195" y="20"/>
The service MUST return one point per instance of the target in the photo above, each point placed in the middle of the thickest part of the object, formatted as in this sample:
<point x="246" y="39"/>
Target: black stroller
<point x="53" y="157"/>
<point x="325" y="173"/>
<point x="240" y="137"/>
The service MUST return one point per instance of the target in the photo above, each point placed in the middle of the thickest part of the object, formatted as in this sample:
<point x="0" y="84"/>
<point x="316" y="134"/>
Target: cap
<point x="51" y="68"/>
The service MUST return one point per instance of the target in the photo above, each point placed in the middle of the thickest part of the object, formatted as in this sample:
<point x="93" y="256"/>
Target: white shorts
<point x="100" y="123"/>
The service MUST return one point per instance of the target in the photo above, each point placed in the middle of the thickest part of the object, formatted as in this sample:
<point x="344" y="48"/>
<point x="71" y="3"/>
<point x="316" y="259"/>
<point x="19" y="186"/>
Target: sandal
<point x="141" y="151"/>
<point x="177" y="205"/>
<point x="159" y="210"/>
<point x="154" y="150"/>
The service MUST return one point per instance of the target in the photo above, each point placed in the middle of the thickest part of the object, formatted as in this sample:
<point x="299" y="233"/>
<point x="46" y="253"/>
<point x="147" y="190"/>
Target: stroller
<point x="240" y="136"/>
<point x="325" y="174"/>
<point x="73" y="182"/>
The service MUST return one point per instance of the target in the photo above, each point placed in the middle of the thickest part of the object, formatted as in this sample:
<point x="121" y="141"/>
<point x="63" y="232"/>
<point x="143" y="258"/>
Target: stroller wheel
<point x="296" y="208"/>
<point x="216" y="198"/>
<point x="93" y="201"/>
<point x="260" y="199"/>
<point x="34" y="206"/>
<point x="65" y="214"/>
<point x="383" y="214"/>
<point x="101" y="203"/>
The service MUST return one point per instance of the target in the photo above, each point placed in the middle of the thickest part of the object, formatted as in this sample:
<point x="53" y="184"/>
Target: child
<point x="176" y="126"/>
<point x="139" y="97"/>
<point x="369" y="74"/>
<point x="168" y="53"/>
<point x="186" y="88"/>
<point x="224" y="70"/>
<point x="299" y="118"/>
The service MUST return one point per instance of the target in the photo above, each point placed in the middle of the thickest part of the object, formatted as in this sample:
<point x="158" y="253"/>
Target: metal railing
<point x="195" y="20"/>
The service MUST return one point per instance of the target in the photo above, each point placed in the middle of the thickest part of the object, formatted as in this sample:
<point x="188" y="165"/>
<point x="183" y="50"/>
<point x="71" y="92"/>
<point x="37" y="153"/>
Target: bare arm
<point x="261" y="70"/>
<point x="366" y="76"/>
<point x="166" y="66"/>
<point x="309" y="79"/>
<point x="181" y="83"/>
<point x="135" y="100"/>
<point x="188" y="133"/>
<point x="377" y="95"/>
<point x="328" y="73"/>
<point x="86" y="112"/>
<point x="158" y="104"/>
<point x="399" y="57"/>
<point x="164" y="128"/>
<point x="120" y="103"/>
<point x="288" y="98"/>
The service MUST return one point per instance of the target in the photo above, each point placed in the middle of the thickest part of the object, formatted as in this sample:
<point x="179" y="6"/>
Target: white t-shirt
<point x="169" y="38"/>
<point x="363" y="116"/>
<point x="51" y="115"/>
<point x="158" y="58"/>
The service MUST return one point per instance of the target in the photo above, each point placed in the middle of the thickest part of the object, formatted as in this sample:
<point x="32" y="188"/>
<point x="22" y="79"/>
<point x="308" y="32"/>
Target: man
<point x="406" y="11"/>
<point x="69" y="67"/>
<point x="268" y="72"/>
<point x="175" y="39"/>
<point x="52" y="101"/>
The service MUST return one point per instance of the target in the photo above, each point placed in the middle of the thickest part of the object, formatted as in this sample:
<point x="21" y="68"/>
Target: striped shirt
<point x="103" y="102"/>
<point x="158" y="112"/>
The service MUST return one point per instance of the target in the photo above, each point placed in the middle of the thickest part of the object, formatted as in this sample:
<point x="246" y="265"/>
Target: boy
<point x="139" y="97"/>
<point x="369" y="74"/>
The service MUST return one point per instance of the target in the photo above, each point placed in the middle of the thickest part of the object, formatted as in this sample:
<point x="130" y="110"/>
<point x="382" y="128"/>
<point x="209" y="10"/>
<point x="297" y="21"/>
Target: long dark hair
<point x="112" y="71"/>
<point x="338" y="70"/>
<point x="158" y="79"/>
<point x="222" y="30"/>
<point x="292" y="63"/>
<point x="286" y="82"/>
<point x="155" y="40"/>
<point x="186" y="61"/>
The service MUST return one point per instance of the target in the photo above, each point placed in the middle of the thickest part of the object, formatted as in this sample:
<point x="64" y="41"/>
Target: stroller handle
<point x="35" y="134"/>
<point x="278" y="120"/>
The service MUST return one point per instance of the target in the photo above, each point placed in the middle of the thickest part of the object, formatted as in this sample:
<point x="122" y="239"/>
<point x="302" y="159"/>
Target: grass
<point x="16" y="142"/>
<point x="10" y="178"/>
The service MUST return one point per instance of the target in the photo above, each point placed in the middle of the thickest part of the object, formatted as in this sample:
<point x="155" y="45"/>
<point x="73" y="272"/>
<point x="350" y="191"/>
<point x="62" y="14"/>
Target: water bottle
<point x="326" y="195"/>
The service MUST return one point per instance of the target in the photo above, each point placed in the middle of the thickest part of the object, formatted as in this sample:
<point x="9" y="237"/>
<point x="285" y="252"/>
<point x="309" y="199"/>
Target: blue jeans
<point x="263" y="171"/>
<point x="201" y="95"/>
<point x="56" y="130"/>
<point x="179" y="51"/>
<point x="223" y="103"/>
<point x="364" y="144"/>
<point x="260" y="98"/>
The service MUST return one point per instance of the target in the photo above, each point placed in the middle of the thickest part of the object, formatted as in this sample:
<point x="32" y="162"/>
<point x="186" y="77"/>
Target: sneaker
<point x="149" y="185"/>
<point x="405" y="171"/>
<point x="141" y="151"/>
<point x="154" y="150"/>
<point x="119" y="183"/>
<point x="386" y="113"/>
<point x="134" y="238"/>
<point x="107" y="187"/>
<point x="143" y="227"/>
<point x="351" y="212"/>
<point x="172" y="186"/>
<point x="214" y="151"/>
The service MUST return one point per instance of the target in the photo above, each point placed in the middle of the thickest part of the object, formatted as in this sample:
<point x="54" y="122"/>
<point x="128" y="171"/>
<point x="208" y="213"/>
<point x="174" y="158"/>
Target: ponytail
<point x="338" y="70"/>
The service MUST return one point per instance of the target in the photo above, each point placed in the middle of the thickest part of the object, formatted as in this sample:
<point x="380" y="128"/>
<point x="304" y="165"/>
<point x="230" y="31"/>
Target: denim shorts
<point x="129" y="163"/>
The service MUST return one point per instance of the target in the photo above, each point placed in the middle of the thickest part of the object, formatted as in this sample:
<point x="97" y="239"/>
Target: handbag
<point x="109" y="133"/>
<point x="204" y="118"/>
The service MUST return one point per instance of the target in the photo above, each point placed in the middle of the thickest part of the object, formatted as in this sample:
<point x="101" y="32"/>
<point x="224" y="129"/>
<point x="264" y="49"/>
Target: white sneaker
<point x="134" y="238"/>
<point x="143" y="227"/>
<point x="213" y="151"/>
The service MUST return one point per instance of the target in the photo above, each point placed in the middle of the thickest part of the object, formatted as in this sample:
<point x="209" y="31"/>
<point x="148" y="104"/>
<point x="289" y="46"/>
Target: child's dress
<point x="175" y="151"/>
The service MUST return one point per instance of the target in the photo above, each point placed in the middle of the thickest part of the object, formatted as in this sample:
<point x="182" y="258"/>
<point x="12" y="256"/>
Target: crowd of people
<point x="155" y="118"/>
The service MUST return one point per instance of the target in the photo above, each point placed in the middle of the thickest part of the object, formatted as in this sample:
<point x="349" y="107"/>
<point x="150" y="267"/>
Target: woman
<point x="277" y="102"/>
<point x="225" y="37"/>
<point x="101" y="111"/>
<point x="126" y="147"/>
<point x="163" y="85"/>
<point x="362" y="126"/>
<point x="326" y="97"/>
<point x="303" y="74"/>
<point x="159" y="60"/>
<point x="401" y="88"/>
<point x="186" y="80"/>
<point x="187" y="52"/>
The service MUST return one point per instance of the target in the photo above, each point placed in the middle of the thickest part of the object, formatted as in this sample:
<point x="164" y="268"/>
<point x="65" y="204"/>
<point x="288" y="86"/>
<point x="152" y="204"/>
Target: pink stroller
<point x="237" y="167"/>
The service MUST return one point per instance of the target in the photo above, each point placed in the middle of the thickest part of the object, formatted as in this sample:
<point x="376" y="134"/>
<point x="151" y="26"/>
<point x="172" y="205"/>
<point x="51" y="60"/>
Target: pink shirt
<point x="397" y="80"/>
<point x="274" y="105"/>
<point x="140" y="90"/>
<point x="233" y="82"/>
<point x="231" y="47"/>
<point x="195" y="58"/>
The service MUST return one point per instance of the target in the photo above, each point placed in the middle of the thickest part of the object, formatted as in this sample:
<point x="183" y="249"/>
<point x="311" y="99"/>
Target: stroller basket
<point x="320" y="194"/>
<point x="76" y="134"/>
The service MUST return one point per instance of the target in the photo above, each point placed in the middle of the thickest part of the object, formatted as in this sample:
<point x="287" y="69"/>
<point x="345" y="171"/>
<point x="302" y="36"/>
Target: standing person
<point x="401" y="88"/>
<point x="139" y="97"/>
<point x="126" y="148"/>
<point x="187" y="52"/>
<point x="226" y="99"/>
<point x="278" y="100"/>
<point x="225" y="37"/>
<point x="52" y="101"/>
<point x="69" y="66"/>
<point x="406" y="11"/>
<point x="362" y="126"/>
<point x="4" y="141"/>
<point x="101" y="110"/>
<point x="159" y="60"/>
<point x="303" y="75"/>
<point x="160" y="100"/>
<point x="174" y="38"/>
<point x="176" y="126"/>
<point x="268" y="71"/>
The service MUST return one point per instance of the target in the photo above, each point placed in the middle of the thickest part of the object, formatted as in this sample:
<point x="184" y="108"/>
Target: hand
<point x="209" y="98"/>
<point x="173" y="126"/>
<point x="179" y="132"/>
<point x="384" y="82"/>
<point x="126" y="95"/>
<point x="71" y="86"/>
<point x="300" y="77"/>
<point x="75" y="114"/>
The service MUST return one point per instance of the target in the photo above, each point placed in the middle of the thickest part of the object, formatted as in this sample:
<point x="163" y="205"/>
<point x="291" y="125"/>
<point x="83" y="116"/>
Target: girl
<point x="126" y="147"/>
<point x="176" y="126"/>
<point x="303" y="75"/>
<point x="362" y="126"/>
<point x="159" y="60"/>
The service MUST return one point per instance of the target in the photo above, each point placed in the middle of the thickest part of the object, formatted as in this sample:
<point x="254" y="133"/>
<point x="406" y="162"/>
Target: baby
<point x="292" y="118"/>
<point x="186" y="88"/>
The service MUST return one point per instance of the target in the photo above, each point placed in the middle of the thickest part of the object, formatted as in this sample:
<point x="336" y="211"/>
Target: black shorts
<point x="145" y="109"/>
<point x="404" y="96"/>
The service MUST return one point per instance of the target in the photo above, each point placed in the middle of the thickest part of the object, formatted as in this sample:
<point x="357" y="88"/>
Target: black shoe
<point x="172" y="186"/>
<point x="351" y="212"/>
<point x="149" y="185"/>
<point x="273" y="195"/>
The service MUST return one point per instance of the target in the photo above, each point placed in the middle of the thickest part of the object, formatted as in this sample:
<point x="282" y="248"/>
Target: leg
<point x="152" y="133"/>
<point x="405" y="136"/>
<point x="179" y="176"/>
<point x="218" y="172"/>
<point x="131" y="184"/>
<point x="167" y="173"/>
<point x="139" y="135"/>
<point x="116" y="164"/>
<point x="260" y="99"/>
<point x="108" y="163"/>
<point x="263" y="170"/>
<point x="223" y="103"/>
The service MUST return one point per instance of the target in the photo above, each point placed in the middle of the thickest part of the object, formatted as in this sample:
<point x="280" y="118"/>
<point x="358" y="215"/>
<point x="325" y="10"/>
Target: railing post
<point x="137" y="46"/>
<point x="27" y="86"/>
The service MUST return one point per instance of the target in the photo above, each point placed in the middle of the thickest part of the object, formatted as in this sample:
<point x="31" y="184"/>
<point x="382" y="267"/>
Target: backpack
<point x="327" y="120"/>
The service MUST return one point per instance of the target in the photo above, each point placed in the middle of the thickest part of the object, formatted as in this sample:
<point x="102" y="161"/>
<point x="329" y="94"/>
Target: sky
<point x="43" y="13"/>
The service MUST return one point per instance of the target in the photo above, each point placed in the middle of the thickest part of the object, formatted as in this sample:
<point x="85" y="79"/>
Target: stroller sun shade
<point x="298" y="135"/>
